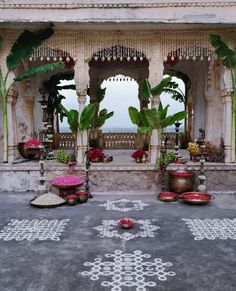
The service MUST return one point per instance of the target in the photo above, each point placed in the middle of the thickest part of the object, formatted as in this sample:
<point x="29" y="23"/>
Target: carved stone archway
<point x="116" y="60"/>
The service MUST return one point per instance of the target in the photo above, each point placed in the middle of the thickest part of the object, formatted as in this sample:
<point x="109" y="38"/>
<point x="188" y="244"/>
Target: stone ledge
<point x="164" y="4"/>
<point x="56" y="166"/>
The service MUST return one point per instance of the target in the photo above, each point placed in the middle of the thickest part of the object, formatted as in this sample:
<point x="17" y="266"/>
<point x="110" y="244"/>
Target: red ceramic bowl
<point x="196" y="197"/>
<point x="168" y="196"/>
<point x="126" y="223"/>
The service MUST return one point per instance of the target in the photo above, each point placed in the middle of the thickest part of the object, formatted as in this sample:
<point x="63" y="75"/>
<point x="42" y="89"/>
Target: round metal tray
<point x="197" y="198"/>
<point x="167" y="196"/>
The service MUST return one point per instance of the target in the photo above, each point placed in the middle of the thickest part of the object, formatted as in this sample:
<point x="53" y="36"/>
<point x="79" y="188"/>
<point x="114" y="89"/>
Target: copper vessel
<point x="197" y="198"/>
<point x="181" y="181"/>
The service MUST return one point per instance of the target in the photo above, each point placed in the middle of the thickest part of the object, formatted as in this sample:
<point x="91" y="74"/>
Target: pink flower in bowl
<point x="67" y="181"/>
<point x="32" y="143"/>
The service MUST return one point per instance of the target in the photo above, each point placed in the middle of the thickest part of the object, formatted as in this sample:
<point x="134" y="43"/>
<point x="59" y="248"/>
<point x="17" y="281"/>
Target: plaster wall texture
<point x="1" y="130"/>
<point x="119" y="11"/>
<point x="25" y="178"/>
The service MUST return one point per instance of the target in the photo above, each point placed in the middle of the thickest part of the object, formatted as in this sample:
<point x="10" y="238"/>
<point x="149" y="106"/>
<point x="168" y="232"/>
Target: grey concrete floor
<point x="48" y="265"/>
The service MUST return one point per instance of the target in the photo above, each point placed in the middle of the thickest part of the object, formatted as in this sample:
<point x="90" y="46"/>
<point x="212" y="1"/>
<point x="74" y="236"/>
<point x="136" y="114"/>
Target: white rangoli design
<point x="212" y="228"/>
<point x="111" y="228"/>
<point x="124" y="205"/>
<point x="128" y="270"/>
<point x="43" y="229"/>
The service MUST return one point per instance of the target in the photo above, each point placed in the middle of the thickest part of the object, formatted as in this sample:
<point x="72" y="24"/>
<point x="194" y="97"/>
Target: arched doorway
<point x="128" y="64"/>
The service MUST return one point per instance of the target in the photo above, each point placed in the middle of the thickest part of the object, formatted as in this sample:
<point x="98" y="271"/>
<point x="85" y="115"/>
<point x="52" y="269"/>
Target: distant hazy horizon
<point x="66" y="129"/>
<point x="121" y="92"/>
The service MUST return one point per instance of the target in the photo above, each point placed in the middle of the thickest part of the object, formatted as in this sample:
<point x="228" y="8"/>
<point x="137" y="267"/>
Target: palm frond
<point x="40" y="70"/>
<point x="25" y="44"/>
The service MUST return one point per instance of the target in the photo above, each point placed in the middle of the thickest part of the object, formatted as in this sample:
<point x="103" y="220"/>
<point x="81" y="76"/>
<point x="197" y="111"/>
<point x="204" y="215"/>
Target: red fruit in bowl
<point x="126" y="222"/>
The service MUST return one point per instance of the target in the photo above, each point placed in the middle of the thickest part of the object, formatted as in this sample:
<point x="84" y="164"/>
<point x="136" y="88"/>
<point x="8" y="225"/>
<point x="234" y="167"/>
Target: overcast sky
<point x="119" y="96"/>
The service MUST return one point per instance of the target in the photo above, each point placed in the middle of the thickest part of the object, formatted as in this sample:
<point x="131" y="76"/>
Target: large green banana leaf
<point x="223" y="50"/>
<point x="100" y="120"/>
<point x="158" y="89"/>
<point x="40" y="70"/>
<point x="25" y="44"/>
<point x="86" y="116"/>
<point x="73" y="119"/>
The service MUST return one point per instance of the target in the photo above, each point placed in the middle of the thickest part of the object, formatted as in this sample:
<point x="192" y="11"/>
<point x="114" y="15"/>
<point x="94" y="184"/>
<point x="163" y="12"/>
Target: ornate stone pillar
<point x="209" y="118"/>
<point x="227" y="116"/>
<point x="29" y="108"/>
<point x="82" y="137"/>
<point x="11" y="120"/>
<point x="156" y="69"/>
<point x="82" y="81"/>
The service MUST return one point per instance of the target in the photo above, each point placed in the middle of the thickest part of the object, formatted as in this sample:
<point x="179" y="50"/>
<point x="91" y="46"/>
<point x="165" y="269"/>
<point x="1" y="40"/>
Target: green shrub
<point x="63" y="156"/>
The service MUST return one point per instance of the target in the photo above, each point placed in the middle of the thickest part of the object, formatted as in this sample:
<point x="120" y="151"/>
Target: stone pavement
<point x="172" y="246"/>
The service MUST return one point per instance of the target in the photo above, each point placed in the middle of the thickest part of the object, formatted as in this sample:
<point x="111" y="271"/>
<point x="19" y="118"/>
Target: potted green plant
<point x="155" y="119"/>
<point x="21" y="50"/>
<point x="80" y="122"/>
<point x="99" y="119"/>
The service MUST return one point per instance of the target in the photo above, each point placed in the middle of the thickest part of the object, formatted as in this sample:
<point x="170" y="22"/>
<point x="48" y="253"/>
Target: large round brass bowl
<point x="181" y="181"/>
<point x="197" y="198"/>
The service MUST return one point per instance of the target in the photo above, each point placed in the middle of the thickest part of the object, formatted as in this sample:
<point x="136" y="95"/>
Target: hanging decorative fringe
<point x="127" y="46"/>
<point x="119" y="79"/>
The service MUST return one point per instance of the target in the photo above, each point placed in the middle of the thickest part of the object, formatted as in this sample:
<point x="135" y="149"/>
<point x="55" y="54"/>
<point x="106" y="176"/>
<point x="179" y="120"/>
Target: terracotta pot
<point x="181" y="181"/>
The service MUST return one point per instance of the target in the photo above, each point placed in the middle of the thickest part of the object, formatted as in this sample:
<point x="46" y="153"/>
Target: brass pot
<point x="181" y="181"/>
<point x="71" y="200"/>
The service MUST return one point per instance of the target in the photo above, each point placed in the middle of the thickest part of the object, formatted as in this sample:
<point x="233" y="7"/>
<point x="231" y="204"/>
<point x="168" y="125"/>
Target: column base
<point x="12" y="153"/>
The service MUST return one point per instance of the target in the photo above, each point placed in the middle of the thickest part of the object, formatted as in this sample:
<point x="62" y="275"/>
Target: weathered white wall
<point x="146" y="11"/>
<point x="1" y="131"/>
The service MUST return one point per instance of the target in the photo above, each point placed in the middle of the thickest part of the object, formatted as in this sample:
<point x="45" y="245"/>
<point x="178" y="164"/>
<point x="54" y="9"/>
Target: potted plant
<point x="96" y="155"/>
<point x="98" y="121"/>
<point x="80" y="122"/>
<point x="138" y="155"/>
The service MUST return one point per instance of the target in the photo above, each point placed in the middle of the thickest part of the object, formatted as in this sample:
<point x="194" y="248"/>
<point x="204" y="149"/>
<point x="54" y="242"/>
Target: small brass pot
<point x="71" y="200"/>
<point x="181" y="181"/>
<point x="82" y="196"/>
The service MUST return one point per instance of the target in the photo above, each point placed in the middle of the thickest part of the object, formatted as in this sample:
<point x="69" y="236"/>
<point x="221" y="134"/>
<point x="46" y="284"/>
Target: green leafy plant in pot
<point x="80" y="122"/>
<point x="99" y="119"/>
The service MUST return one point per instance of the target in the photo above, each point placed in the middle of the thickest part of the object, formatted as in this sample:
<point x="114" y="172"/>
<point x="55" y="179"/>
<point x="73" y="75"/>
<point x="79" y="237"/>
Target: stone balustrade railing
<point x="112" y="140"/>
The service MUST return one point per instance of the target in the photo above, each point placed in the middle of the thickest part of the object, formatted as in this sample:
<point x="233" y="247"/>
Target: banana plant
<point x="53" y="87"/>
<point x="139" y="119"/>
<point x="149" y="92"/>
<point x="177" y="94"/>
<point x="99" y="119"/>
<point x="21" y="50"/>
<point x="228" y="56"/>
<point x="149" y="119"/>
<point x="158" y="119"/>
<point x="80" y="122"/>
